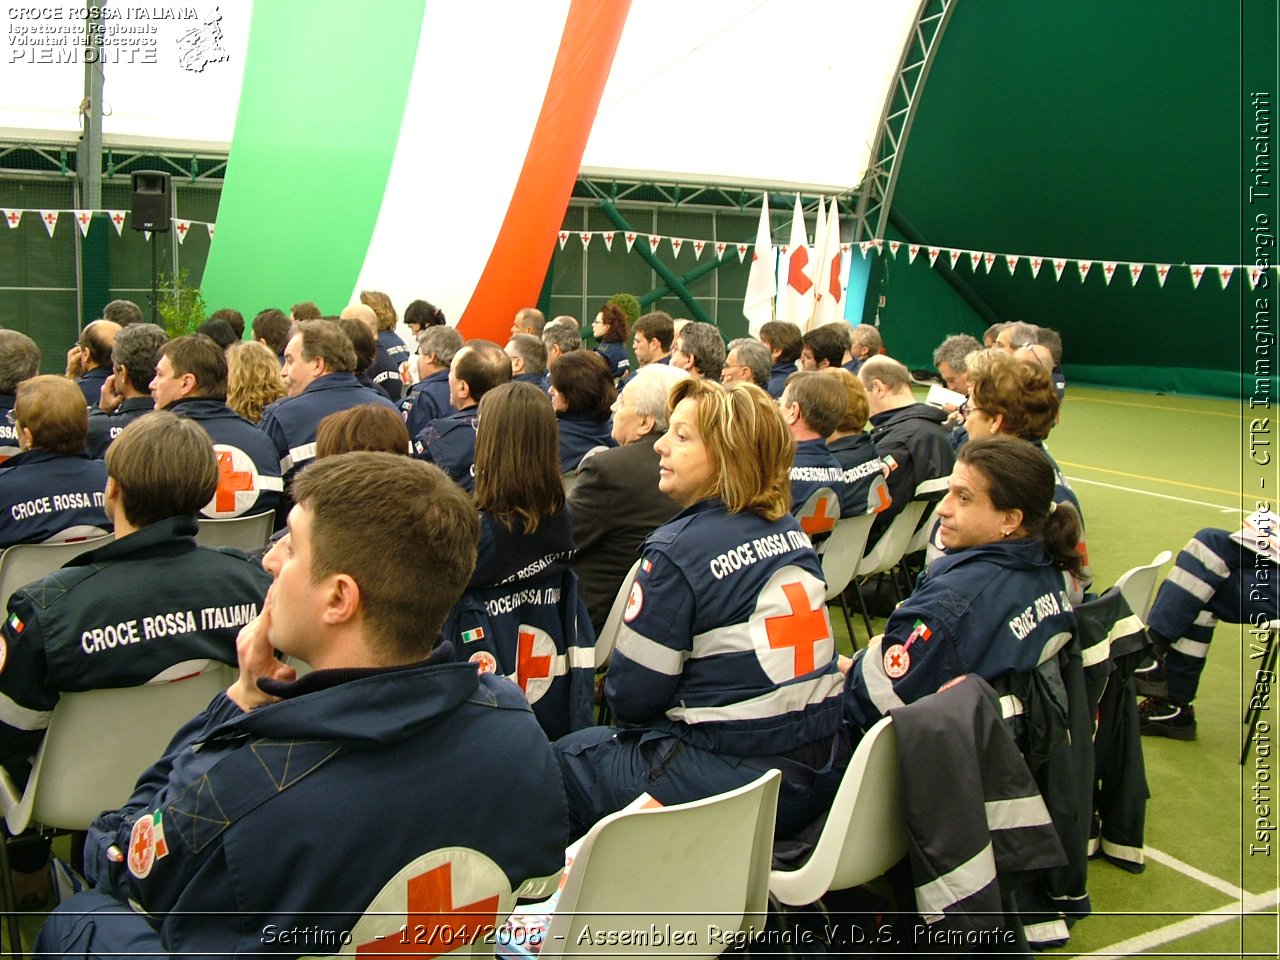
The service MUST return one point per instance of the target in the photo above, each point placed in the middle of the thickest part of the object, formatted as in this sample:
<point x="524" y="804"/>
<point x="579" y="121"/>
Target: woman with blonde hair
<point x="725" y="665"/>
<point x="253" y="379"/>
<point x="391" y="350"/>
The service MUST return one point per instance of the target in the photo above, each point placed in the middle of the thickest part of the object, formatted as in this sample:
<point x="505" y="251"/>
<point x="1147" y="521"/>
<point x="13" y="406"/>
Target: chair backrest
<point x="28" y="562"/>
<point x="246" y="533"/>
<point x="920" y="539"/>
<point x="820" y="514"/>
<point x="1139" y="585"/>
<point x="80" y="771"/>
<point x="444" y="902"/>
<point x="843" y="550"/>
<point x="609" y="632"/>
<point x="690" y="866"/>
<point x="892" y="545"/>
<point x="866" y="830"/>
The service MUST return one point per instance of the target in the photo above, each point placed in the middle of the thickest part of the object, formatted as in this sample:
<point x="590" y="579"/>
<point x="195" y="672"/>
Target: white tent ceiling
<point x="749" y="92"/>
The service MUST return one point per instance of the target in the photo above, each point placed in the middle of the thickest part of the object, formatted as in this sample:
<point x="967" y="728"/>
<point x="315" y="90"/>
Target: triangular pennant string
<point x="1058" y="267"/>
<point x="975" y="258"/>
<point x="1036" y="263"/>
<point x="1109" y="270"/>
<point x="1011" y="260"/>
<point x="562" y="237"/>
<point x="1135" y="271"/>
<point x="933" y="255"/>
<point x="181" y="227"/>
<point x="1083" y="266"/>
<point x="912" y="252"/>
<point x="955" y="257"/>
<point x="742" y="252"/>
<point x="1162" y="271"/>
<point x="607" y="237"/>
<point x="1197" y="272"/>
<point x="987" y="260"/>
<point x="893" y="247"/>
<point x="50" y="219"/>
<point x="1224" y="275"/>
<point x="83" y="219"/>
<point x="585" y="237"/>
<point x="676" y="244"/>
<point x="631" y="240"/>
<point x="117" y="220"/>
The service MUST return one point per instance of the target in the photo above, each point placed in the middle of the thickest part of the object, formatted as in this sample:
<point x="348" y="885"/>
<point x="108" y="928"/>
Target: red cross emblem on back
<point x="820" y="520"/>
<point x="230" y="481"/>
<point x="529" y="667"/>
<point x="445" y="927"/>
<point x="801" y="629"/>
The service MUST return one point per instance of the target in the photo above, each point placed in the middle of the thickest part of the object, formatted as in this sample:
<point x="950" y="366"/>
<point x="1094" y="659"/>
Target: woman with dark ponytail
<point x="997" y="603"/>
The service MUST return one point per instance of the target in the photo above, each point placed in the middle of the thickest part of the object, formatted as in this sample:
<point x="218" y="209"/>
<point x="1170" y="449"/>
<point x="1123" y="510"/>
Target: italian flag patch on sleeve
<point x="16" y="624"/>
<point x="471" y="636"/>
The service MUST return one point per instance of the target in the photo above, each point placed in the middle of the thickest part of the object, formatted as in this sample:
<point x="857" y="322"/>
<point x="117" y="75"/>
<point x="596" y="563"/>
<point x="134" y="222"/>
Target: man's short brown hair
<point x="272" y="326"/>
<point x="482" y="365"/>
<point x="201" y="357"/>
<point x="305" y="310"/>
<point x="657" y="325"/>
<point x="415" y="506"/>
<point x="53" y="409"/>
<point x="163" y="466"/>
<point x="784" y="336"/>
<point x="821" y="400"/>
<point x="325" y="340"/>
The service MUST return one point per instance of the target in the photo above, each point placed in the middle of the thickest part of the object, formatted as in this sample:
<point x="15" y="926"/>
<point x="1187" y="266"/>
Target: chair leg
<point x="1254" y="711"/>
<point x="844" y="608"/>
<point x="10" y="900"/>
<point x="862" y="604"/>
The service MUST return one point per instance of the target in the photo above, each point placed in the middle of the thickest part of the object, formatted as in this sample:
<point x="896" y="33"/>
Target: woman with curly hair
<point x="610" y="331"/>
<point x="253" y="379"/>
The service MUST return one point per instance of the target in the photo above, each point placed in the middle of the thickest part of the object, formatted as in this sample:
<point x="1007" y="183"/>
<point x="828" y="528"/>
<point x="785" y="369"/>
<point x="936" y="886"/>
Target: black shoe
<point x="1152" y="680"/>
<point x="1159" y="717"/>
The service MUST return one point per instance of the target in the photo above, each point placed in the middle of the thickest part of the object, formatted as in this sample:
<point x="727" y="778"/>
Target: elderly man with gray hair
<point x="616" y="503"/>
<point x="748" y="361"/>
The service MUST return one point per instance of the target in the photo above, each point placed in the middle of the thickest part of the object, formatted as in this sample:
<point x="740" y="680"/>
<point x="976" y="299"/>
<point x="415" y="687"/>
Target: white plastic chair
<point x="1138" y="585"/>
<point x="28" y="562"/>
<point x="866" y="831"/>
<point x="608" y="635"/>
<point x="820" y="514"/>
<point x="840" y="555"/>
<point x="889" y="550"/>
<point x="79" y="772"/>
<point x="246" y="533"/>
<point x="920" y="539"/>
<point x="691" y="866"/>
<point x="411" y="914"/>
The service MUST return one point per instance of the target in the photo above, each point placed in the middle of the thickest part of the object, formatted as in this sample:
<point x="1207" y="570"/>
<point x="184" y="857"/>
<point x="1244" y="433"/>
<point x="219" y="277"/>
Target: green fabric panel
<point x="1189" y="381"/>
<point x="320" y="111"/>
<point x="1104" y="131"/>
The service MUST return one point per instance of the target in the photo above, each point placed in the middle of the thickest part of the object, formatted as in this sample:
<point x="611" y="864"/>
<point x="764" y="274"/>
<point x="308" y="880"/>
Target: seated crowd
<point x="544" y="478"/>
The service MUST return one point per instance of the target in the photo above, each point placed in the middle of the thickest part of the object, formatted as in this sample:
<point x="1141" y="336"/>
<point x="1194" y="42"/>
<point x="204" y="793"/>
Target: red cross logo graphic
<point x="51" y="218"/>
<point x="800" y="630"/>
<point x="445" y="927"/>
<point x="527" y="663"/>
<point x="698" y="245"/>
<point x="84" y="218"/>
<point x="230" y="480"/>
<point x="631" y="238"/>
<point x="14" y="217"/>
<point x="720" y="249"/>
<point x="563" y="238"/>
<point x="182" y="228"/>
<point x="820" y="521"/>
<point x="1197" y="273"/>
<point x="117" y="219"/>
<point x="653" y="243"/>
<point x="795" y="271"/>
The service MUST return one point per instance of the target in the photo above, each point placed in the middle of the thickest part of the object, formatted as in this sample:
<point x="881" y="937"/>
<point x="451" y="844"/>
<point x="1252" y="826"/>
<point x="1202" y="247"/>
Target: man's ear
<point x="342" y="603"/>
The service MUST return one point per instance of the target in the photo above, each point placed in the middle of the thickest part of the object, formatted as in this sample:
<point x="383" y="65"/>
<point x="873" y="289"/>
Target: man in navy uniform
<point x="89" y="361"/>
<point x="52" y="490"/>
<point x="450" y="442"/>
<point x="88" y="625"/>
<point x="19" y="360"/>
<point x="127" y="392"/>
<point x="429" y="397"/>
<point x="292" y="764"/>
<point x="319" y="368"/>
<point x="191" y="381"/>
<point x="528" y="358"/>
<point x="812" y="405"/>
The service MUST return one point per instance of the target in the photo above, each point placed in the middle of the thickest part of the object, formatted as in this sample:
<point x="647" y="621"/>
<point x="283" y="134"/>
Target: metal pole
<point x="89" y="148"/>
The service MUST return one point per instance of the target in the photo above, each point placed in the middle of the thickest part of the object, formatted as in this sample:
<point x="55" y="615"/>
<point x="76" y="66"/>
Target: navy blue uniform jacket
<point x="43" y="494"/>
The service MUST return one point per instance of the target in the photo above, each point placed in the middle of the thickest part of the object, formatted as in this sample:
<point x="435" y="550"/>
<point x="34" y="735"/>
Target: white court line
<point x="1208" y="879"/>
<point x="1162" y="496"/>
<point x="1144" y="943"/>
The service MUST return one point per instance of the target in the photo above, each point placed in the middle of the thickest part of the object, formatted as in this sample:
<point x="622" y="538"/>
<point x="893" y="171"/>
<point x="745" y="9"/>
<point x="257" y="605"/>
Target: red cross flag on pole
<point x="757" y="305"/>
<point x="829" y="306"/>
<point x="795" y="301"/>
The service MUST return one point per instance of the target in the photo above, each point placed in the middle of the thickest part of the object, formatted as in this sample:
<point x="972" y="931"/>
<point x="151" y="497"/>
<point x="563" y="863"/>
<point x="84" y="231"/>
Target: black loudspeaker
<point x="151" y="201"/>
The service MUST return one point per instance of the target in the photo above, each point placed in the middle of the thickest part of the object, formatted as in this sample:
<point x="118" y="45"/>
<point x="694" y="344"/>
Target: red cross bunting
<point x="527" y="663"/>
<point x="230" y="480"/>
<point x="117" y="219"/>
<point x="820" y="521"/>
<point x="14" y="218"/>
<point x="182" y="228"/>
<point x="795" y="271"/>
<point x="800" y="630"/>
<point x="444" y="927"/>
